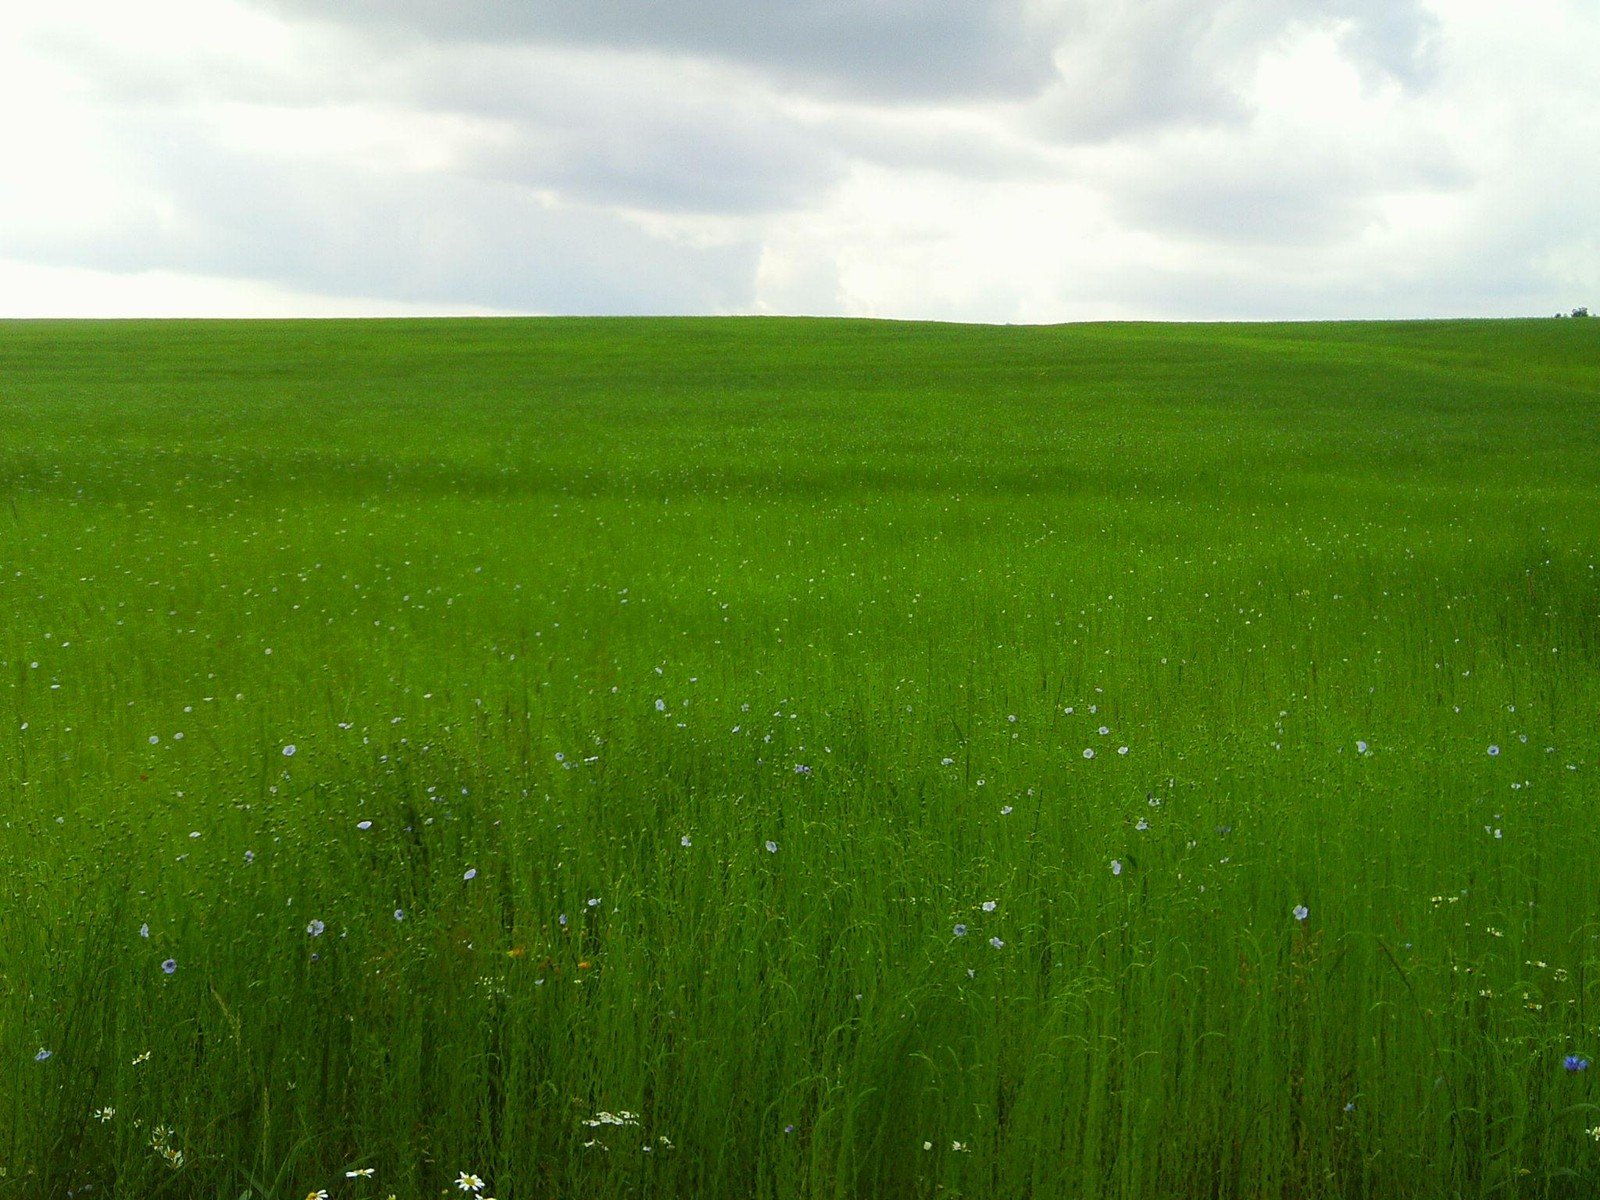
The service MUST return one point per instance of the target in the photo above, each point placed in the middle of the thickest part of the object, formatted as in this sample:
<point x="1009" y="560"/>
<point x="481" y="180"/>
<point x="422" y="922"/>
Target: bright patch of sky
<point x="1011" y="160"/>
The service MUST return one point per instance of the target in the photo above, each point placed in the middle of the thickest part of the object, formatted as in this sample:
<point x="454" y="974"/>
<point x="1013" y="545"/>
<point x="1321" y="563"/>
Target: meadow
<point x="791" y="759"/>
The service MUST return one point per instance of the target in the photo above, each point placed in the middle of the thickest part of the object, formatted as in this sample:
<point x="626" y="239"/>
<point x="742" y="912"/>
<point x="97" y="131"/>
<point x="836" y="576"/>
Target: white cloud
<point x="1016" y="160"/>
<point x="28" y="290"/>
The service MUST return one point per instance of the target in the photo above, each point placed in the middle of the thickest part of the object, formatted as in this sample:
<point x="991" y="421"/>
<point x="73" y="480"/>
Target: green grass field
<point x="794" y="759"/>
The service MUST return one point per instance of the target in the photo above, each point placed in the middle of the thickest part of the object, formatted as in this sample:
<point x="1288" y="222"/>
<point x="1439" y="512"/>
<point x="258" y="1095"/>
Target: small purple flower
<point x="1494" y="751"/>
<point x="1301" y="912"/>
<point x="997" y="943"/>
<point x="801" y="769"/>
<point x="288" y="751"/>
<point x="472" y="873"/>
<point x="42" y="1055"/>
<point x="399" y="914"/>
<point x="170" y="966"/>
<point x="363" y="825"/>
<point x="1574" y="1064"/>
<point x="772" y="847"/>
<point x="315" y="927"/>
<point x="960" y="931"/>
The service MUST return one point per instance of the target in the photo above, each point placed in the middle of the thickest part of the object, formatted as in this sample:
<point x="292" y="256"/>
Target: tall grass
<point x="799" y="759"/>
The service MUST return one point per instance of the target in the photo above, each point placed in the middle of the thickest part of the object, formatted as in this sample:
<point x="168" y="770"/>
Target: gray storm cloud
<point x="892" y="49"/>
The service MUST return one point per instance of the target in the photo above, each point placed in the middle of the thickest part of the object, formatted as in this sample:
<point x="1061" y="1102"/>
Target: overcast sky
<point x="979" y="160"/>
